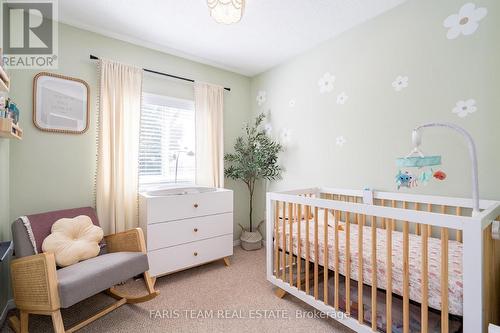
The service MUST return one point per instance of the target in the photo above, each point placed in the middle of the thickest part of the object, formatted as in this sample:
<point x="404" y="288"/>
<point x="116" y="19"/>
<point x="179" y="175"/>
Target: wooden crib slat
<point x="355" y="200"/>
<point x="276" y="240"/>
<point x="299" y="247"/>
<point x="417" y="226"/>
<point x="316" y="254"/>
<point x="336" y="274"/>
<point x="361" y="223"/>
<point x="459" y="232"/>
<point x="384" y="222"/>
<point x="348" y="264"/>
<point x="429" y="227"/>
<point x="388" y="293"/>
<point x="283" y="230"/>
<point x="406" y="279"/>
<point x="374" y="272"/>
<point x="325" y="258"/>
<point x="290" y="253"/>
<point x="393" y="205"/>
<point x="308" y="249"/>
<point x="341" y="198"/>
<point x="444" y="280"/>
<point x="425" y="282"/>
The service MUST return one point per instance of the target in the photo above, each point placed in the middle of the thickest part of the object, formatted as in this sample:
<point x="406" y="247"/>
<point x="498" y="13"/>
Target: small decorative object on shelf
<point x="10" y="130"/>
<point x="9" y="119"/>
<point x="12" y="111"/>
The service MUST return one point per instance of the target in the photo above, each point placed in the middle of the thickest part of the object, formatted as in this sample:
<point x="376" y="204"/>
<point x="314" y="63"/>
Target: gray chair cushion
<point x="87" y="278"/>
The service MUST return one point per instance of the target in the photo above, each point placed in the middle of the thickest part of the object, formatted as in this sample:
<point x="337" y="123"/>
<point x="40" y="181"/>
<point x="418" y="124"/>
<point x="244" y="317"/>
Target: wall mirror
<point x="60" y="103"/>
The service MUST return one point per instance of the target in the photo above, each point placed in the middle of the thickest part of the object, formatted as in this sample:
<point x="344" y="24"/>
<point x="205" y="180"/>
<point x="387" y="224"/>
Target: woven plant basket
<point x="251" y="241"/>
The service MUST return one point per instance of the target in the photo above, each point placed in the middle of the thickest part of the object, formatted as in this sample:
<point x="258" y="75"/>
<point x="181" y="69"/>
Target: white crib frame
<point x="472" y="229"/>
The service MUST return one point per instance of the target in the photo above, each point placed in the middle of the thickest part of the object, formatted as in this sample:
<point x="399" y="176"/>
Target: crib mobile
<point x="425" y="166"/>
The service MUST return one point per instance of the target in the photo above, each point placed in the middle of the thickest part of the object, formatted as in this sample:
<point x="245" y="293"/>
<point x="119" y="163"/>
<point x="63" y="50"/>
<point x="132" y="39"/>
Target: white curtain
<point x="209" y="105"/>
<point x="118" y="146"/>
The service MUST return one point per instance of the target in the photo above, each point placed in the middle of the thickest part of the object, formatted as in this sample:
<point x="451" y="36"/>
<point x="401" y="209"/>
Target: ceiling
<point x="271" y="31"/>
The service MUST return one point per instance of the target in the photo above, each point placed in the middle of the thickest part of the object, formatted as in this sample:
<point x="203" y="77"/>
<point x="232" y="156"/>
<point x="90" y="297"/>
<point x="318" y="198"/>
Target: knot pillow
<point x="73" y="240"/>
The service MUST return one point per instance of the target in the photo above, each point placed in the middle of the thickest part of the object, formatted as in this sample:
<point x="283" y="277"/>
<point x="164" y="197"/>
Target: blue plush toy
<point x="405" y="179"/>
<point x="14" y="111"/>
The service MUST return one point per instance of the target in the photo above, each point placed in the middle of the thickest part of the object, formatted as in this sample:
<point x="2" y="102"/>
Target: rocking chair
<point x="40" y="288"/>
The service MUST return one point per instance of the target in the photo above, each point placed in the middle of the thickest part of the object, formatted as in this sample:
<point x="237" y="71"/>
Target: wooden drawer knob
<point x="195" y="254"/>
<point x="195" y="205"/>
<point x="195" y="229"/>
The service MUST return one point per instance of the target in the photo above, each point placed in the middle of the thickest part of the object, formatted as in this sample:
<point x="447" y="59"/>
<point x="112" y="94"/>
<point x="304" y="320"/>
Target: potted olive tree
<point x="255" y="158"/>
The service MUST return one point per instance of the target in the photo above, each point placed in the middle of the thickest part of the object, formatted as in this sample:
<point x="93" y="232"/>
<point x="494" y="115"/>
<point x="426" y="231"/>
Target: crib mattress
<point x="455" y="292"/>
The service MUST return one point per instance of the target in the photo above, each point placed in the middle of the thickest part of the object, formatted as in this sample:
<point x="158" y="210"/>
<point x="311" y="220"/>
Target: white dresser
<point x="186" y="230"/>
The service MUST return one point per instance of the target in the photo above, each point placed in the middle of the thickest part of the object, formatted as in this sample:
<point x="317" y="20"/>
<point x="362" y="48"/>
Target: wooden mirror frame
<point x="63" y="77"/>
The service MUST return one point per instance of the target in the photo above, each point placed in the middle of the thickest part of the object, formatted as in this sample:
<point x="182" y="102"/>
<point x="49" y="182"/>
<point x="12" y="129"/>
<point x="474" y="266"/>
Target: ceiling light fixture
<point x="226" y="11"/>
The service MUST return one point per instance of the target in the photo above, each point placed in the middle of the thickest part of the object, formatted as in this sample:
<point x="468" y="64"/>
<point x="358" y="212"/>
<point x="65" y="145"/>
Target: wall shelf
<point x="10" y="130"/>
<point x="4" y="81"/>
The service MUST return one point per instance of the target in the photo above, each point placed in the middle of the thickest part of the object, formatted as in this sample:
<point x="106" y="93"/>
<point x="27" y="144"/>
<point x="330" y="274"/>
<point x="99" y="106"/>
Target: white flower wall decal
<point x="465" y="22"/>
<point x="340" y="141"/>
<point x="325" y="83"/>
<point x="291" y="103"/>
<point x="286" y="137"/>
<point x="268" y="128"/>
<point x="342" y="98"/>
<point x="261" y="97"/>
<point x="400" y="83"/>
<point x="464" y="108"/>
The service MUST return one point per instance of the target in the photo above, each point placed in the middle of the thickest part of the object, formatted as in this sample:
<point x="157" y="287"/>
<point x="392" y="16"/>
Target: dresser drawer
<point x="178" y="207"/>
<point x="160" y="235"/>
<point x="178" y="257"/>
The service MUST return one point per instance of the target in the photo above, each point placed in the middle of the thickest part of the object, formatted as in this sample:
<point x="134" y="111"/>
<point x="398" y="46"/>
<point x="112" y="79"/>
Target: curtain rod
<point x="93" y="57"/>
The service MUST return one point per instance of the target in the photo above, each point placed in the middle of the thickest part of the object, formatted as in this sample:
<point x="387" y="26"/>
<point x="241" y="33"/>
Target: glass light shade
<point x="226" y="11"/>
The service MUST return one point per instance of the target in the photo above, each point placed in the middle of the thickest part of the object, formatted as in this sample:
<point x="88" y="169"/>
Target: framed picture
<point x="60" y="103"/>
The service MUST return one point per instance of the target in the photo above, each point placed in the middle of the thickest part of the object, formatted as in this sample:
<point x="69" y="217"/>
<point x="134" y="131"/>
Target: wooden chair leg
<point x="14" y="324"/>
<point x="150" y="283"/>
<point x="24" y="321"/>
<point x="19" y="326"/>
<point x="226" y="261"/>
<point x="150" y="286"/>
<point x="57" y="321"/>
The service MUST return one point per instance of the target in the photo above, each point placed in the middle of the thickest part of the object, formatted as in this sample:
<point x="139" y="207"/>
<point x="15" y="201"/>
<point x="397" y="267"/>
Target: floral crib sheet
<point x="455" y="292"/>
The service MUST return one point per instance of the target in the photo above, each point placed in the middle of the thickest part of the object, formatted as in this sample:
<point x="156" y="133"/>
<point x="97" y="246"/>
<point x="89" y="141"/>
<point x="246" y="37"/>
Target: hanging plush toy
<point x="439" y="175"/>
<point x="405" y="179"/>
<point x="423" y="165"/>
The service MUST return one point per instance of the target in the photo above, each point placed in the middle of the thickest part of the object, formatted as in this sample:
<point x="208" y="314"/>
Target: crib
<point x="395" y="262"/>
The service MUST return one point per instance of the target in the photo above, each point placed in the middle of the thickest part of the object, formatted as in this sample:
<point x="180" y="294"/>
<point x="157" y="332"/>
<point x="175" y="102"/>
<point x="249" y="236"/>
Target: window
<point x="167" y="139"/>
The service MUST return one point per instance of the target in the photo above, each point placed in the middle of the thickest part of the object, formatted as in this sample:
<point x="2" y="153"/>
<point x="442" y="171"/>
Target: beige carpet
<point x="210" y="298"/>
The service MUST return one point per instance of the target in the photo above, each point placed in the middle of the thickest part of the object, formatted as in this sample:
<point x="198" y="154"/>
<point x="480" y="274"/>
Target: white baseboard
<point x="8" y="306"/>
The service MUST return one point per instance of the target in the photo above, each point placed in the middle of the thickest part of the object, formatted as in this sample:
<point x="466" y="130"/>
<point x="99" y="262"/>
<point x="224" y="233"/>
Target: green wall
<point x="56" y="171"/>
<point x="4" y="218"/>
<point x="376" y="120"/>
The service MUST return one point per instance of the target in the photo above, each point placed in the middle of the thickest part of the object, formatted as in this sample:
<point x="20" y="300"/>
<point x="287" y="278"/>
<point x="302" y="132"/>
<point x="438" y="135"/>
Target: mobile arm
<point x="417" y="140"/>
